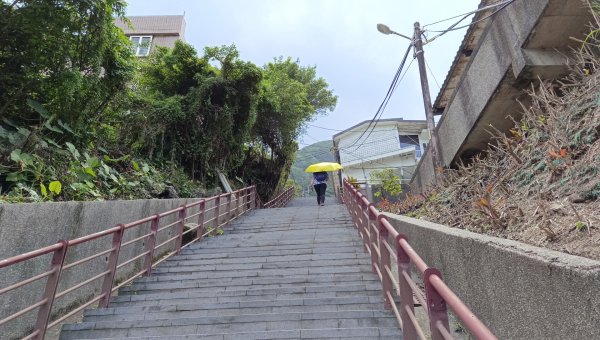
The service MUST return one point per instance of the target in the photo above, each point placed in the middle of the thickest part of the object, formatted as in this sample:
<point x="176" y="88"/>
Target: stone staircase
<point x="289" y="273"/>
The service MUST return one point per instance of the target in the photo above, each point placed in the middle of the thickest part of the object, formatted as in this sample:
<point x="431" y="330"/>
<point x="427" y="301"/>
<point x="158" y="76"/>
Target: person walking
<point x="319" y="182"/>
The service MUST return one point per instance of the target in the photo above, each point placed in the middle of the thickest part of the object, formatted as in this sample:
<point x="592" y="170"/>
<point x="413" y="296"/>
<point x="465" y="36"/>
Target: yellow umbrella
<point x="323" y="166"/>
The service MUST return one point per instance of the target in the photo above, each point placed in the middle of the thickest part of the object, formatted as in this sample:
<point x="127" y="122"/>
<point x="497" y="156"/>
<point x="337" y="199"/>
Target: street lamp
<point x="418" y="43"/>
<point x="386" y="30"/>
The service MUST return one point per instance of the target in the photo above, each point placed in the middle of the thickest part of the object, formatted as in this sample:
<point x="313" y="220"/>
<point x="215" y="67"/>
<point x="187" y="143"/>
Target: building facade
<point x="505" y="50"/>
<point x="147" y="32"/>
<point x="390" y="144"/>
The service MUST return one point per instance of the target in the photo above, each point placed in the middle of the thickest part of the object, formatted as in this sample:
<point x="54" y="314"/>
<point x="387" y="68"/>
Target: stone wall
<point x="519" y="291"/>
<point x="27" y="227"/>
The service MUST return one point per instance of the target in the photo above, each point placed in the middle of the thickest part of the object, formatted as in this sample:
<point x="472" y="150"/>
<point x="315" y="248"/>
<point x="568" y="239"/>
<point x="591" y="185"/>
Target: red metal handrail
<point x="245" y="200"/>
<point x="280" y="200"/>
<point x="376" y="231"/>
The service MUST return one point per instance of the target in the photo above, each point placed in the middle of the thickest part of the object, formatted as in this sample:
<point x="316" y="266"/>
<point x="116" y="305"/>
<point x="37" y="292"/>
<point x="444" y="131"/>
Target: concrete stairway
<point x="289" y="273"/>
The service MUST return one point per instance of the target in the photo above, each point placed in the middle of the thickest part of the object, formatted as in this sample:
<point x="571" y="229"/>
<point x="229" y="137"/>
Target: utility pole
<point x="433" y="143"/>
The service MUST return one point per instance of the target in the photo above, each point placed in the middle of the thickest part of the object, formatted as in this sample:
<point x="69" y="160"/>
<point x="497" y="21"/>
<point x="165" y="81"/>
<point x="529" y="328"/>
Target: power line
<point x="384" y="107"/>
<point x="353" y="130"/>
<point x="388" y="94"/>
<point x="453" y="27"/>
<point x="469" y="13"/>
<point x="313" y="138"/>
<point x="433" y="75"/>
<point x="324" y="128"/>
<point x="377" y="120"/>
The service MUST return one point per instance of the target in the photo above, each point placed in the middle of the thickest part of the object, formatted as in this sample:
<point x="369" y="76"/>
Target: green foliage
<point x="67" y="55"/>
<point x="579" y="225"/>
<point x="354" y="182"/>
<point x="391" y="186"/>
<point x="83" y="119"/>
<point x="212" y="231"/>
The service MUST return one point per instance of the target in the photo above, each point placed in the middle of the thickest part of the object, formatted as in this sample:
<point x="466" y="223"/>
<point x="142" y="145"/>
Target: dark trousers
<point x="320" y="190"/>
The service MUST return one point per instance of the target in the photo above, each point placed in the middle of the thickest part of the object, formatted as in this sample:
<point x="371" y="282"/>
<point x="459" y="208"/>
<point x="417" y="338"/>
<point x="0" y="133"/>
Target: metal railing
<point x="281" y="200"/>
<point x="376" y="233"/>
<point x="226" y="208"/>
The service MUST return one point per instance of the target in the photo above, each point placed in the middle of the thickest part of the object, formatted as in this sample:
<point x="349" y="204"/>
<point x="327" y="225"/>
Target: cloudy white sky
<point x="338" y="36"/>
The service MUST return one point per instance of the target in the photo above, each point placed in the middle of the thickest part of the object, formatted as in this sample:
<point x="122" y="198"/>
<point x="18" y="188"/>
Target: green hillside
<point x="315" y="153"/>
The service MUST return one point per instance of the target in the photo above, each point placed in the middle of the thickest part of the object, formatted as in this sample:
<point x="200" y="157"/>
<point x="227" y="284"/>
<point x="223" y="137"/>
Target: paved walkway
<point x="290" y="273"/>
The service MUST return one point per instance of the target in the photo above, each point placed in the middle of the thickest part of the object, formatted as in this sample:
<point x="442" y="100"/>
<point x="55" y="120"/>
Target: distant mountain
<point x="315" y="153"/>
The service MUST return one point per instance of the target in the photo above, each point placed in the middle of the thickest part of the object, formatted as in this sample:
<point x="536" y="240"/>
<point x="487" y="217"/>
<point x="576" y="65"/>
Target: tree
<point x="391" y="187"/>
<point x="63" y="64"/>
<point x="66" y="55"/>
<point x="290" y="97"/>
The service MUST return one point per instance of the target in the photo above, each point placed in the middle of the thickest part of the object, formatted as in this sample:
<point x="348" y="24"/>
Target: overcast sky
<point x="339" y="37"/>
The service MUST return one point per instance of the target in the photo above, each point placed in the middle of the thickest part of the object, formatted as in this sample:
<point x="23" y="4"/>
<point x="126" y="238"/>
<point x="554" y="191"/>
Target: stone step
<point x="364" y="268"/>
<point x="270" y="244"/>
<point x="351" y="253"/>
<point x="260" y="232"/>
<point x="205" y="271"/>
<point x="381" y="333"/>
<point x="186" y="297"/>
<point x="230" y="324"/>
<point x="357" y="288"/>
<point x="350" y="250"/>
<point x="235" y="291"/>
<point x="238" y="307"/>
<point x="262" y="281"/>
<point x="197" y="260"/>
<point x="252" y="264"/>
<point x="190" y="311"/>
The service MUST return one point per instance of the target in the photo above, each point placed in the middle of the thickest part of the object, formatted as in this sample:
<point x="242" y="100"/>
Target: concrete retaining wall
<point x="519" y="291"/>
<point x="27" y="227"/>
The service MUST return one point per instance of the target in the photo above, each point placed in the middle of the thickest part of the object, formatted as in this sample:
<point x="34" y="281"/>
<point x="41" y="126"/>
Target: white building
<point x="147" y="32"/>
<point x="390" y="144"/>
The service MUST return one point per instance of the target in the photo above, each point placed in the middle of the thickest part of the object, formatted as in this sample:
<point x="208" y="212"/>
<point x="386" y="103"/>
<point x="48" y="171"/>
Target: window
<point x="408" y="141"/>
<point x="141" y="45"/>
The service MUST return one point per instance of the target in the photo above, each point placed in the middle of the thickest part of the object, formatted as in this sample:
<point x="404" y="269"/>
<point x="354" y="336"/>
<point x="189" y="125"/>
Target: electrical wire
<point x="453" y="27"/>
<point x="313" y="138"/>
<point x="382" y="109"/>
<point x="388" y="94"/>
<point x="432" y="75"/>
<point x="468" y="13"/>
<point x="385" y="106"/>
<point x="353" y="130"/>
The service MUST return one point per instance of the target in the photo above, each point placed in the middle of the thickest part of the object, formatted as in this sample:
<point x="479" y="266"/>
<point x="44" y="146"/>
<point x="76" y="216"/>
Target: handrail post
<point x="370" y="225"/>
<point x="150" y="244"/>
<point x="201" y="212"/>
<point x="56" y="264"/>
<point x="237" y="203"/>
<point x="385" y="262"/>
<point x="436" y="306"/>
<point x="113" y="260"/>
<point x="362" y="222"/>
<point x="246" y="200"/>
<point x="255" y="198"/>
<point x="180" y="225"/>
<point x="409" y="332"/>
<point x="217" y="210"/>
<point x="228" y="208"/>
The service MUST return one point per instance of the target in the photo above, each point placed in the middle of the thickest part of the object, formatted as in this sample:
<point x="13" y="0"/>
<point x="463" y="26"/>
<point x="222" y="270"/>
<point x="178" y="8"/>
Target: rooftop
<point x="153" y="24"/>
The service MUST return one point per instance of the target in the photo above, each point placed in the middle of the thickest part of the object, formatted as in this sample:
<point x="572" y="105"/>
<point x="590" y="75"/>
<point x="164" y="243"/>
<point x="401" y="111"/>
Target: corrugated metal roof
<point x="366" y="122"/>
<point x="463" y="56"/>
<point x="153" y="25"/>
